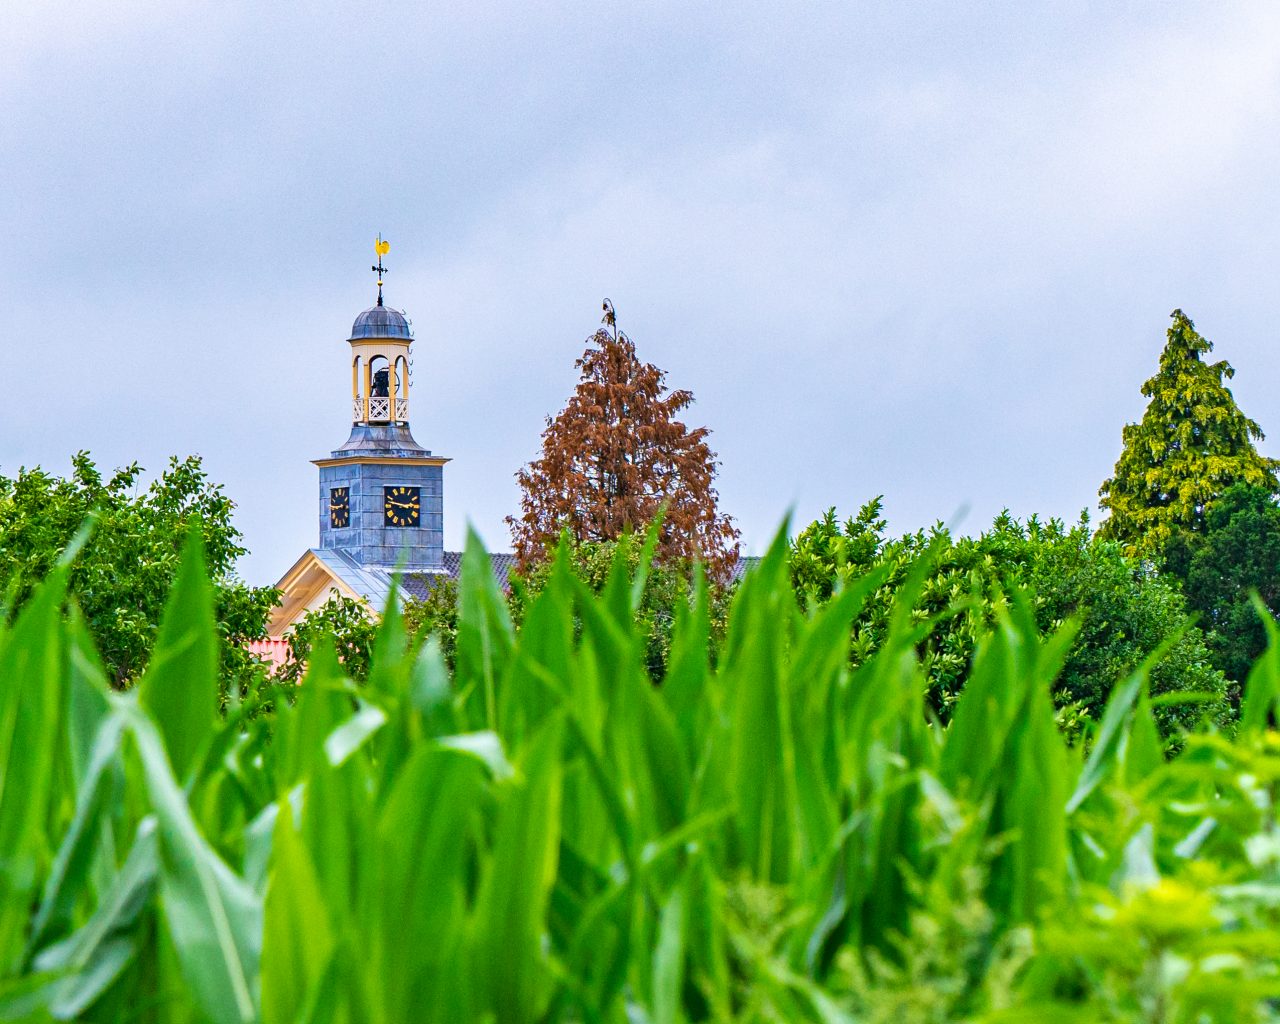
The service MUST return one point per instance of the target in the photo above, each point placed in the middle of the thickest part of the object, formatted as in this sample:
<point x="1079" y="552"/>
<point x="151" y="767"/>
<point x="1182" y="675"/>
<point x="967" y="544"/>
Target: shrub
<point x="1125" y="611"/>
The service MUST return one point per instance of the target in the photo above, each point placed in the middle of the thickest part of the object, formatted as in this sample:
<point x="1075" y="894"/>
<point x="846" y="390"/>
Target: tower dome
<point x="381" y="322"/>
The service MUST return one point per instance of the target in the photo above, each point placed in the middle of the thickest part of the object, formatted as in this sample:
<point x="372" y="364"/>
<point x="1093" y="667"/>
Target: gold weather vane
<point x="381" y="248"/>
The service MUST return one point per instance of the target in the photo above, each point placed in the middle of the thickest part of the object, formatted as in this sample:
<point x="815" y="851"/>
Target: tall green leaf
<point x="32" y="699"/>
<point x="512" y="974"/>
<point x="213" y="916"/>
<point x="180" y="685"/>
<point x="485" y="633"/>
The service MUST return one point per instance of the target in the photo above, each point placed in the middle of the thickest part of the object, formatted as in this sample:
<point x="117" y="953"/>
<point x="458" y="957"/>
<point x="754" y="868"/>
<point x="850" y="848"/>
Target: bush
<point x="1124" y="610"/>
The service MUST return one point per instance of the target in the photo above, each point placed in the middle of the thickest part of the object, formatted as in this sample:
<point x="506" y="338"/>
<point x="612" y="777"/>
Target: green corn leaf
<point x="84" y="965"/>
<point x="485" y="633"/>
<point x="214" y="917"/>
<point x="87" y="689"/>
<point x="298" y="939"/>
<point x="322" y="704"/>
<point x="431" y="690"/>
<point x="669" y="959"/>
<point x="1260" y="709"/>
<point x="689" y="664"/>
<point x="1116" y="721"/>
<point x="180" y="686"/>
<point x="421" y="845"/>
<point x="352" y="734"/>
<point x="647" y="550"/>
<point x="32" y="699"/>
<point x="389" y="667"/>
<point x="70" y="871"/>
<point x="510" y="914"/>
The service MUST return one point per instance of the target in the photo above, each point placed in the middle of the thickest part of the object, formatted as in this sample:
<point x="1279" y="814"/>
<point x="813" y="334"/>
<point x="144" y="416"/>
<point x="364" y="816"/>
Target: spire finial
<point x="381" y="248"/>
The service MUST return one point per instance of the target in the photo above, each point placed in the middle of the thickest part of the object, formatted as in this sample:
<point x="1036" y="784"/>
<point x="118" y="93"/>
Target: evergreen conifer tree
<point x="1192" y="444"/>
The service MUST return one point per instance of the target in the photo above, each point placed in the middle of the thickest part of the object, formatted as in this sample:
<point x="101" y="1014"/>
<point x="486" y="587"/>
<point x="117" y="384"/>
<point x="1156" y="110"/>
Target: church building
<point x="381" y="494"/>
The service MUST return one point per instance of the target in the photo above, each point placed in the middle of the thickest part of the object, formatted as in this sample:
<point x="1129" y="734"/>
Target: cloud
<point x="922" y="250"/>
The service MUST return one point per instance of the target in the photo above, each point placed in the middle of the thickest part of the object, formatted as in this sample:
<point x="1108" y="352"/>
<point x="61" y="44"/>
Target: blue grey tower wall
<point x="368" y="537"/>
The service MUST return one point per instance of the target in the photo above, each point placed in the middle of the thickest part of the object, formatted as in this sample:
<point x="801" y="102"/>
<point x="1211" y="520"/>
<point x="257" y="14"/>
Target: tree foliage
<point x="1124" y="611"/>
<point x="617" y="454"/>
<point x="128" y="565"/>
<point x="351" y="627"/>
<point x="1237" y="556"/>
<point x="1192" y="444"/>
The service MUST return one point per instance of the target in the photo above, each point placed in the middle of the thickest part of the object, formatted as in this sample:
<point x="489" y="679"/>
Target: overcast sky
<point x="920" y="250"/>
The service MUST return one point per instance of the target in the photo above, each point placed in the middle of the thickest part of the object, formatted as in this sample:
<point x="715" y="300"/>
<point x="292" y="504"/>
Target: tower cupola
<point x="380" y="341"/>
<point x="382" y="493"/>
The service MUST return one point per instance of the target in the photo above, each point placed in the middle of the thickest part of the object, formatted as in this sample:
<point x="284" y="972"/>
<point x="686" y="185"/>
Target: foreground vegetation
<point x="545" y="835"/>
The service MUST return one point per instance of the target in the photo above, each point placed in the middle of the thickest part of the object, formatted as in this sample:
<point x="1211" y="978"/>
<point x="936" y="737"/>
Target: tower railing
<point x="379" y="410"/>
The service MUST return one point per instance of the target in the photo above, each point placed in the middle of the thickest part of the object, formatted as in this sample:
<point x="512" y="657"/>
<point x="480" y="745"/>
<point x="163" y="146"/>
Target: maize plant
<point x="546" y="834"/>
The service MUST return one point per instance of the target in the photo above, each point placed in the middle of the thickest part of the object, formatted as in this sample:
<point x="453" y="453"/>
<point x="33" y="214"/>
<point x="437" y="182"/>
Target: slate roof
<point x="381" y="322"/>
<point x="417" y="585"/>
<point x="744" y="565"/>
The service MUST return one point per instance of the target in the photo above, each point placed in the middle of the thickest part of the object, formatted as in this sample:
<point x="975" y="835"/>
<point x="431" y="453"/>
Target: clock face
<point x="339" y="507"/>
<point x="402" y="506"/>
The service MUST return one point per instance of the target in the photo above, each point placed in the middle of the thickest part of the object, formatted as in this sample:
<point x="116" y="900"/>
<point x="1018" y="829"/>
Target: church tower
<point x="381" y="493"/>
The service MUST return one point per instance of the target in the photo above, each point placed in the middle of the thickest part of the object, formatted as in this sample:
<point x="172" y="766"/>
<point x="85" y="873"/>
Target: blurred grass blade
<point x="1116" y="720"/>
<point x="69" y="874"/>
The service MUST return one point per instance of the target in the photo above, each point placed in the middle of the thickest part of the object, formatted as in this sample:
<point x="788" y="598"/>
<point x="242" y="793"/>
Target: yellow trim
<point x="391" y="391"/>
<point x="306" y="580"/>
<point x="375" y="460"/>
<point x="355" y="378"/>
<point x="401" y="367"/>
<point x="368" y="386"/>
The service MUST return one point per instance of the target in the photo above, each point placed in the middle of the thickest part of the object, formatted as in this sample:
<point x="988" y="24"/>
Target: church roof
<point x="417" y="585"/>
<point x="381" y="322"/>
<point x="374" y="582"/>
<point x="321" y="570"/>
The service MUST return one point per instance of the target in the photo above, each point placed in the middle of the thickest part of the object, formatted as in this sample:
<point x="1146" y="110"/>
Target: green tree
<point x="1238" y="555"/>
<point x="1125" y="610"/>
<point x="352" y="625"/>
<point x="1192" y="444"/>
<point x="122" y="576"/>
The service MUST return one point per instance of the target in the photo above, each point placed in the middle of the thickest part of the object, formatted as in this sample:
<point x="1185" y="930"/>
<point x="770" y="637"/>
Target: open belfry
<point x="381" y="493"/>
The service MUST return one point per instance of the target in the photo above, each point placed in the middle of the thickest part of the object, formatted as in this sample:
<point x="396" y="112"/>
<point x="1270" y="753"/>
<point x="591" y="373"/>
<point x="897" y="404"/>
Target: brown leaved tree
<point x="614" y="456"/>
